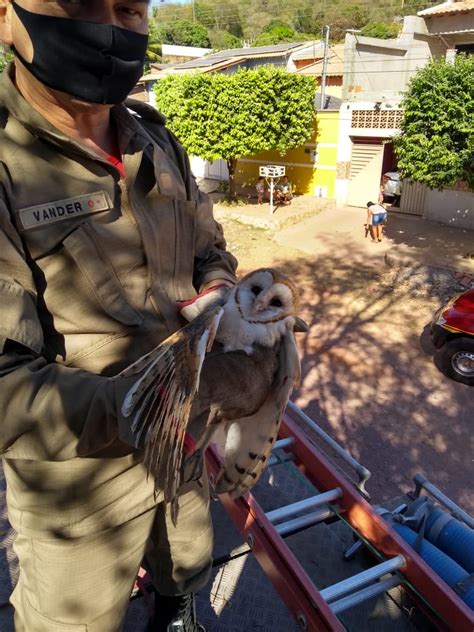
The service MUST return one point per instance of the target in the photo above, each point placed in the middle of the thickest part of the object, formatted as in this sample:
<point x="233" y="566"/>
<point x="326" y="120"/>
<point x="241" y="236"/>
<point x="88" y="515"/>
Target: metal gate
<point x="217" y="170"/>
<point x="366" y="168"/>
<point x="412" y="200"/>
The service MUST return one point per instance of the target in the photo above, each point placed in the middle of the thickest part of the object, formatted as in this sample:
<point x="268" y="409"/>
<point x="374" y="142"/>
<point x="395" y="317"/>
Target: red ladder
<point x="317" y="610"/>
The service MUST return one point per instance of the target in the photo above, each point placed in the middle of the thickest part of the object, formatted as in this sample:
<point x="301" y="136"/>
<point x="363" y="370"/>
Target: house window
<point x="465" y="48"/>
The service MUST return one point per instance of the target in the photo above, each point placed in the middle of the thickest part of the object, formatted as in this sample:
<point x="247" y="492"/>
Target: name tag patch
<point x="52" y="212"/>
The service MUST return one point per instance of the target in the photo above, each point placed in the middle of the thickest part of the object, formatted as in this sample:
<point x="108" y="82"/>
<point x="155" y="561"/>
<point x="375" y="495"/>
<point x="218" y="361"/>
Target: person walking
<point x="376" y="218"/>
<point x="102" y="231"/>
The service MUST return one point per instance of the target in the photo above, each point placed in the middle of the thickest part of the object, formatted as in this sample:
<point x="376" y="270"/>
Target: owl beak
<point x="259" y="306"/>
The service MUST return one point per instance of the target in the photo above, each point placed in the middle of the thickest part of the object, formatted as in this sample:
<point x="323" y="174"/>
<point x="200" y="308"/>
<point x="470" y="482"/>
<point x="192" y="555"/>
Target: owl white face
<point x="261" y="298"/>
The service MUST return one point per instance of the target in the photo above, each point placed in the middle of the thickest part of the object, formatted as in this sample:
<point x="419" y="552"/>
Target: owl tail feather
<point x="159" y="402"/>
<point x="250" y="440"/>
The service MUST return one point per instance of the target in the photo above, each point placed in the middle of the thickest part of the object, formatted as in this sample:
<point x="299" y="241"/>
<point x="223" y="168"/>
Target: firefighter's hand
<point x="212" y="297"/>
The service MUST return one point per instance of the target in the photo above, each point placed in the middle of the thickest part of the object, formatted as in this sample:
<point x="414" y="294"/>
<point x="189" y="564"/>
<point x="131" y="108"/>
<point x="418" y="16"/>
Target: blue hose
<point x="449" y="570"/>
<point x="452" y="537"/>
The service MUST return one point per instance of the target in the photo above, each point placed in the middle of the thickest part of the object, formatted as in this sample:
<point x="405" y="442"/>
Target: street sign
<point x="272" y="171"/>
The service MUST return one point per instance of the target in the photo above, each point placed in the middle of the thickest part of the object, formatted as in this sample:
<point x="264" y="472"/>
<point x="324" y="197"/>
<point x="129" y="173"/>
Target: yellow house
<point x="310" y="168"/>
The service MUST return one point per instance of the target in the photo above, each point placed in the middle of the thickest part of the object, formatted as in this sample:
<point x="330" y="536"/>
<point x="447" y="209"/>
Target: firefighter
<point x="102" y="231"/>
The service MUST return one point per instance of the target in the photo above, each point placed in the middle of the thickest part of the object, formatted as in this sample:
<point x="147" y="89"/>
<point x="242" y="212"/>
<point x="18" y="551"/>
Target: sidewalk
<point x="409" y="240"/>
<point x="303" y="207"/>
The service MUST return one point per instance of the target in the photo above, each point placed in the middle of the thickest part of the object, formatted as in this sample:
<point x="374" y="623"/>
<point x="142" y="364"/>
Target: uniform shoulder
<point x="145" y="112"/>
<point x="155" y="124"/>
<point x="152" y="121"/>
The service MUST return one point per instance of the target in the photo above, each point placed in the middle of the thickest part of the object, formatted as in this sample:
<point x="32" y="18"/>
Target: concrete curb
<point x="283" y="218"/>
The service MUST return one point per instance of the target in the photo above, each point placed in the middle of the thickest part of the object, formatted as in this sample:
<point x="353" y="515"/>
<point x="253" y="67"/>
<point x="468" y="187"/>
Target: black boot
<point x="175" y="614"/>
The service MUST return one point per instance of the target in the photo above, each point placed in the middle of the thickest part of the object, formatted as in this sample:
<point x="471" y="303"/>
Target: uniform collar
<point x="128" y="128"/>
<point x="133" y="139"/>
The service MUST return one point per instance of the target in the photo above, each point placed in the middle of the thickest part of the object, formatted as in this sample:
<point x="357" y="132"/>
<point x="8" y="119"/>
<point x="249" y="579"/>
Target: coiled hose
<point x="450" y="571"/>
<point x="452" y="537"/>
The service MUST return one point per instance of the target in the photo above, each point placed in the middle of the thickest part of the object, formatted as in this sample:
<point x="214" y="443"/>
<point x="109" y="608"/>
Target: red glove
<point x="213" y="297"/>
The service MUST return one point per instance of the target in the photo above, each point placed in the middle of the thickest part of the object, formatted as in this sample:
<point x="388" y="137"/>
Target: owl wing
<point x="250" y="440"/>
<point x="159" y="403"/>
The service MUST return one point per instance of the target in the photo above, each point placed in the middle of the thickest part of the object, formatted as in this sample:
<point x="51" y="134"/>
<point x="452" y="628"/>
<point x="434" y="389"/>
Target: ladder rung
<point x="362" y="472"/>
<point x="362" y="579"/>
<point x="365" y="594"/>
<point x="279" y="445"/>
<point x="422" y="482"/>
<point x="283" y="513"/>
<point x="278" y="460"/>
<point x="283" y="443"/>
<point x="308" y="520"/>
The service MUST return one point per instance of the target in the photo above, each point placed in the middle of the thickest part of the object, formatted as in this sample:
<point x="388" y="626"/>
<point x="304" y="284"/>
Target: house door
<point x="366" y="170"/>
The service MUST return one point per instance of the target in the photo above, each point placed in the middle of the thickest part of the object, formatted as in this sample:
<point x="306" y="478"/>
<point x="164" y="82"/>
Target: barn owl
<point x="231" y="370"/>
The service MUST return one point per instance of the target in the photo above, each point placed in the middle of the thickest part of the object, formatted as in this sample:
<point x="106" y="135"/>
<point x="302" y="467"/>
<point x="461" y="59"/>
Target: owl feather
<point x="249" y="441"/>
<point x="231" y="368"/>
<point x="159" y="403"/>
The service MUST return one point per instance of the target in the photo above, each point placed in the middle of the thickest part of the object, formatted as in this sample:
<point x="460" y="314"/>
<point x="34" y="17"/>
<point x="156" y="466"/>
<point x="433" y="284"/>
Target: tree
<point x="411" y="7"/>
<point x="231" y="116"/>
<point x="6" y="55"/>
<point x="344" y="17"/>
<point x="222" y="40"/>
<point x="246" y="19"/>
<point x="303" y="21"/>
<point x="436" y="144"/>
<point x="153" y="51"/>
<point x="275" y="32"/>
<point x="184" y="33"/>
<point x="381" y="30"/>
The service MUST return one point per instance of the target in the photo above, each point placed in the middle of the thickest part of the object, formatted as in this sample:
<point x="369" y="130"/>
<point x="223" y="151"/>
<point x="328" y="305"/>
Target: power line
<point x="309" y="8"/>
<point x="226" y="11"/>
<point x="401" y="60"/>
<point x="231" y="7"/>
<point x="348" y="72"/>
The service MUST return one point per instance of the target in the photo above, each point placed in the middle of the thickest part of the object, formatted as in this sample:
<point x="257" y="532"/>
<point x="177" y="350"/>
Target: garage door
<point x="366" y="169"/>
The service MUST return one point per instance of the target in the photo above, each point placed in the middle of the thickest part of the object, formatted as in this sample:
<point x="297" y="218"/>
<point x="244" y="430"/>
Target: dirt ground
<point x="368" y="372"/>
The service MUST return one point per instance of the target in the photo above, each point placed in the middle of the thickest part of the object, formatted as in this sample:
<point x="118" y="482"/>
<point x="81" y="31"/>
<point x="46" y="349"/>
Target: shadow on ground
<point x="426" y="235"/>
<point x="369" y="381"/>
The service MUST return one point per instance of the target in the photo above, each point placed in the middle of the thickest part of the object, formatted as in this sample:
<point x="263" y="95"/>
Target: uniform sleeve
<point x="47" y="411"/>
<point x="212" y="260"/>
<point x="50" y="412"/>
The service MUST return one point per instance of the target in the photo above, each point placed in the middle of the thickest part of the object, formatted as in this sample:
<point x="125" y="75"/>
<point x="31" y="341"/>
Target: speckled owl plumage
<point x="232" y="370"/>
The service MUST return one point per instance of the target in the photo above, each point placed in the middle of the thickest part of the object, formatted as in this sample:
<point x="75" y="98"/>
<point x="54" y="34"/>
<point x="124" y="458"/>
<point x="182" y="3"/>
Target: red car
<point x="452" y="332"/>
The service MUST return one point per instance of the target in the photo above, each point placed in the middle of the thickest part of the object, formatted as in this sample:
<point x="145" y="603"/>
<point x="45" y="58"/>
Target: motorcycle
<point x="452" y="333"/>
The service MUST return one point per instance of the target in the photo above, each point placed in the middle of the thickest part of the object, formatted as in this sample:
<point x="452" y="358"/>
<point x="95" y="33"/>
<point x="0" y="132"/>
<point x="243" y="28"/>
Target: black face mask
<point x="98" y="63"/>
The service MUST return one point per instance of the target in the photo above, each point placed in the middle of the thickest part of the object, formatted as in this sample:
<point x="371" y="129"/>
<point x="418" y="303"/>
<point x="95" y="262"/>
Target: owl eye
<point x="256" y="289"/>
<point x="276" y="302"/>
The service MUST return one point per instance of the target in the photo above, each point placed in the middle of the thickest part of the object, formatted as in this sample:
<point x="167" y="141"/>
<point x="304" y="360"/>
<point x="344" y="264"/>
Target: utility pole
<point x="194" y="10"/>
<point x="325" y="64"/>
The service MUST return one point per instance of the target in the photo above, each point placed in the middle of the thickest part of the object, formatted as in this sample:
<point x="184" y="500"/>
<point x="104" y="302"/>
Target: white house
<point x="376" y="73"/>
